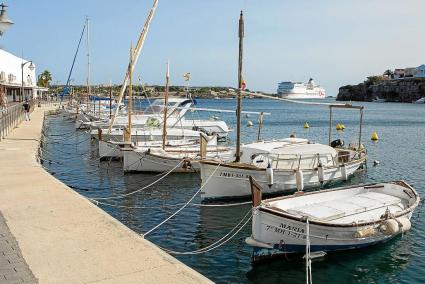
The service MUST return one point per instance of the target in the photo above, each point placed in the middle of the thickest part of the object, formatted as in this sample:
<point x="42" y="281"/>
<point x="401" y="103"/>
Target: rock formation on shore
<point x="381" y="87"/>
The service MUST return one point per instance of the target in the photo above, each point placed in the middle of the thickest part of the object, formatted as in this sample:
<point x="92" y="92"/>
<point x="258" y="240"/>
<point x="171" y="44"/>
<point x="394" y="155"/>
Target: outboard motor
<point x="337" y="143"/>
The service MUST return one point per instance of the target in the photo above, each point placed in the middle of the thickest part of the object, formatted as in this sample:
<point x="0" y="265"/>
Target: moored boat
<point x="335" y="219"/>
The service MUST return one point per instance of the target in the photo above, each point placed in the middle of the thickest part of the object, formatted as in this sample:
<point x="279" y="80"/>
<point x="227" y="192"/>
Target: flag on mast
<point x="243" y="84"/>
<point x="186" y="76"/>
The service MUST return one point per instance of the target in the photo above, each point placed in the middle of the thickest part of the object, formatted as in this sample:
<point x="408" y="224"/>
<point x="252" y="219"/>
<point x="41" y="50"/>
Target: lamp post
<point x="31" y="67"/>
<point x="5" y="23"/>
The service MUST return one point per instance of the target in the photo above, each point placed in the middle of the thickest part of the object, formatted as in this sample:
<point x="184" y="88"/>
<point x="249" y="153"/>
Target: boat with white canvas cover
<point x="292" y="165"/>
<point x="336" y="219"/>
<point x="298" y="90"/>
<point x="285" y="165"/>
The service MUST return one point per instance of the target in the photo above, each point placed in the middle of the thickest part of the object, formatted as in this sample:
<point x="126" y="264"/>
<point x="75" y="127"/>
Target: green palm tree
<point x="44" y="79"/>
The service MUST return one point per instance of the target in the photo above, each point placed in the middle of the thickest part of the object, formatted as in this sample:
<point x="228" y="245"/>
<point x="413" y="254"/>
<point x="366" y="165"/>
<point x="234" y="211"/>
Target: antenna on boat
<point x="164" y="124"/>
<point x="239" y="98"/>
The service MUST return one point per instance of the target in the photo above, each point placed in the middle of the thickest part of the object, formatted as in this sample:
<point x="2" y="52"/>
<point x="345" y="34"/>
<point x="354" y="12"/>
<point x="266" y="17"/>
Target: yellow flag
<point x="186" y="76"/>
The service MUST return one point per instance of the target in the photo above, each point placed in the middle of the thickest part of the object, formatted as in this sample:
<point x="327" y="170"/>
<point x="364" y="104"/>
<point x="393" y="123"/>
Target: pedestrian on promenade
<point x="27" y="110"/>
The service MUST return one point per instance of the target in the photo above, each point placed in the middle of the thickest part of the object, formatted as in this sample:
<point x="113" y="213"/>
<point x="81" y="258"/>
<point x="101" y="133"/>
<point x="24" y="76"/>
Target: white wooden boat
<point x="157" y="159"/>
<point x="338" y="219"/>
<point x="114" y="149"/>
<point x="279" y="166"/>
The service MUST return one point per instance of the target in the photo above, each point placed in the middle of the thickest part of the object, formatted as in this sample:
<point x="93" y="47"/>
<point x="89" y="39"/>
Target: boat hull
<point x="273" y="236"/>
<point x="139" y="161"/>
<point x="231" y="182"/>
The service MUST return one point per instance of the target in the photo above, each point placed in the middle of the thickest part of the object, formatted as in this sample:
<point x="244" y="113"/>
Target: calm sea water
<point x="71" y="157"/>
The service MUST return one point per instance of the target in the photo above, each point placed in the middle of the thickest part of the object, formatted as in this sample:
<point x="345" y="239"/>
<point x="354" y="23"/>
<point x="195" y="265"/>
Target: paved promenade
<point x="64" y="238"/>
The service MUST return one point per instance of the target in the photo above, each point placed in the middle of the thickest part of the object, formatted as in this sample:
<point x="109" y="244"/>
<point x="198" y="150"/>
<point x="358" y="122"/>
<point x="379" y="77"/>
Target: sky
<point x="336" y="42"/>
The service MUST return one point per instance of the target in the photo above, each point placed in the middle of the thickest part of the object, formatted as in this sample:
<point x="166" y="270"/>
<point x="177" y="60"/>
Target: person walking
<point x="27" y="110"/>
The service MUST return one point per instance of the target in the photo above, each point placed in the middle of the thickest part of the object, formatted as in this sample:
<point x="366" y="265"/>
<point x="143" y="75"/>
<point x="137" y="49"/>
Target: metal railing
<point x="11" y="117"/>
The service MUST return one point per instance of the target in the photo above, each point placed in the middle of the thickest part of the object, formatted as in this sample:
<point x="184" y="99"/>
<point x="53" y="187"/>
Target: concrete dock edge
<point x="63" y="237"/>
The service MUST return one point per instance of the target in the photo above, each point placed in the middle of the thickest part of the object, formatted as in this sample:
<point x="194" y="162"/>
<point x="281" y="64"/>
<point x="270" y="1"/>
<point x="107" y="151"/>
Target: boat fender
<point x="404" y="224"/>
<point x="344" y="172"/>
<point x="269" y="175"/>
<point x="389" y="227"/>
<point x="299" y="177"/>
<point x="365" y="232"/>
<point x="320" y="173"/>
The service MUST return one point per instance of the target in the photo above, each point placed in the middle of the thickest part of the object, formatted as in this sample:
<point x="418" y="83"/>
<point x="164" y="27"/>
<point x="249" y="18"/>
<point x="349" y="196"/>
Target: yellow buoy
<point x="338" y="127"/>
<point x="374" y="136"/>
<point x="306" y="125"/>
<point x="342" y="126"/>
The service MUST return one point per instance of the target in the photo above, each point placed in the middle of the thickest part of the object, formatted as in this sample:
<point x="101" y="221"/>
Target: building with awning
<point x="17" y="74"/>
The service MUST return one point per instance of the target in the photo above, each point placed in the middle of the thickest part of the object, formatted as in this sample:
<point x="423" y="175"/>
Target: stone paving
<point x="13" y="268"/>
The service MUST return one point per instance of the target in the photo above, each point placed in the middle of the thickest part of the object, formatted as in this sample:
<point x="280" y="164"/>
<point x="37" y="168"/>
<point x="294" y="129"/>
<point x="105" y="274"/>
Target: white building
<point x="11" y="77"/>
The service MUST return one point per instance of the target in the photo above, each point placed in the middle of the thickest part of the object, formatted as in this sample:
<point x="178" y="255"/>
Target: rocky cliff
<point x="392" y="90"/>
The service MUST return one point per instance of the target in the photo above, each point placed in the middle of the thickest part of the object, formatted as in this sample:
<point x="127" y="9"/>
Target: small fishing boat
<point x="156" y="158"/>
<point x="335" y="219"/>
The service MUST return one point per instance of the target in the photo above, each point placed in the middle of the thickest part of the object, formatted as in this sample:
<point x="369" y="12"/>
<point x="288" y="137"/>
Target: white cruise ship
<point x="291" y="90"/>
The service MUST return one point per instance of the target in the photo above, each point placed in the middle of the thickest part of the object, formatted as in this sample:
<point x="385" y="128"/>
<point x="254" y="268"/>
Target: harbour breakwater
<point x="404" y="90"/>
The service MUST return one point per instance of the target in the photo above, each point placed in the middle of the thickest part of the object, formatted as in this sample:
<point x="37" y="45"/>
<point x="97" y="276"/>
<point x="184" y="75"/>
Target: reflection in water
<point x="400" y="150"/>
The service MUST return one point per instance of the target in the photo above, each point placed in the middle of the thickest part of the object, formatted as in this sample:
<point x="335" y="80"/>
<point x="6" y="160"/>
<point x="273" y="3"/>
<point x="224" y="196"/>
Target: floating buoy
<point x="269" y="174"/>
<point x="249" y="123"/>
<point x="374" y="136"/>
<point x="299" y="177"/>
<point x="306" y="125"/>
<point x="342" y="126"/>
<point x="375" y="163"/>
<point x="339" y="127"/>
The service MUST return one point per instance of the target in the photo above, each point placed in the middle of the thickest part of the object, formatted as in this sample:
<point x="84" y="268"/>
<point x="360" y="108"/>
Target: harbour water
<point x="70" y="156"/>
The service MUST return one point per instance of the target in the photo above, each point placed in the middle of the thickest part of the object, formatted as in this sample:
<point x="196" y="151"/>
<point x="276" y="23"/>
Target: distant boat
<point x="378" y="100"/>
<point x="420" y="101"/>
<point x="299" y="90"/>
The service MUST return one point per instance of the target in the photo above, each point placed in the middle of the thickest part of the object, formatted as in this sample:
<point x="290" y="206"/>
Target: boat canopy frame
<point x="346" y="106"/>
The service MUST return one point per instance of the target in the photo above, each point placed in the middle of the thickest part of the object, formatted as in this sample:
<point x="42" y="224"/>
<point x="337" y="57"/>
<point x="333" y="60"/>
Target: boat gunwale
<point x="246" y="166"/>
<point x="282" y="213"/>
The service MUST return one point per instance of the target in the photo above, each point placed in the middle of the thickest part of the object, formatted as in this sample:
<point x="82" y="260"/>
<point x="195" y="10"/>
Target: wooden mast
<point x="239" y="99"/>
<point x="88" y="63"/>
<point x="130" y="93"/>
<point x="164" y="124"/>
<point x="137" y="50"/>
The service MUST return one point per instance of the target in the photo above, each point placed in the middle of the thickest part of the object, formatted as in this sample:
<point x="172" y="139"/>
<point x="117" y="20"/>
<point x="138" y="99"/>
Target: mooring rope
<point x="95" y="199"/>
<point x="289" y="100"/>
<point x="218" y="243"/>
<point x="184" y="206"/>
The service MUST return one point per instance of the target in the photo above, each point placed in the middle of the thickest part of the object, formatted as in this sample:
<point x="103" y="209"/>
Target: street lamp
<point x="5" y="23"/>
<point x="31" y="67"/>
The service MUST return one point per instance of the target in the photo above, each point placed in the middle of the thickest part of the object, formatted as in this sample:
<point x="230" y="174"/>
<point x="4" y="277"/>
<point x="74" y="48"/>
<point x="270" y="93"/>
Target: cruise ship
<point x="291" y="90"/>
